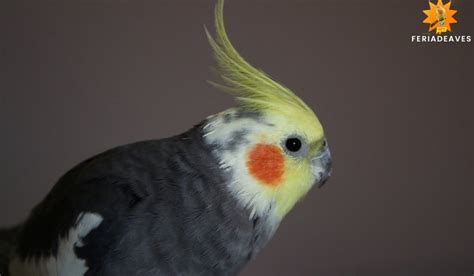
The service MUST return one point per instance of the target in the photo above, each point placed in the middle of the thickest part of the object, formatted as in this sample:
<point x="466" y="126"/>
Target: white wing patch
<point x="66" y="263"/>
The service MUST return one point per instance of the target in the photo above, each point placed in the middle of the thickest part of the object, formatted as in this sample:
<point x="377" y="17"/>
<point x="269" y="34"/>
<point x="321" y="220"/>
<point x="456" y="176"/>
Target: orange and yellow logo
<point x="440" y="17"/>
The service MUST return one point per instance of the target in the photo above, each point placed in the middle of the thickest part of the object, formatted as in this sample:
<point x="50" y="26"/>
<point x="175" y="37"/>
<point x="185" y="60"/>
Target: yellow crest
<point x="253" y="88"/>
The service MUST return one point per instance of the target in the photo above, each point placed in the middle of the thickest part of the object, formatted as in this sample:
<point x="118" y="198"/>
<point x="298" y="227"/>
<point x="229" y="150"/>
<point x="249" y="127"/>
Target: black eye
<point x="293" y="144"/>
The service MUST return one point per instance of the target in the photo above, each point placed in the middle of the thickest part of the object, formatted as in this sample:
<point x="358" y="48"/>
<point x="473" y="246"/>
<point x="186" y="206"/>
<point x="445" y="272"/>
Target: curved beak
<point x="321" y="165"/>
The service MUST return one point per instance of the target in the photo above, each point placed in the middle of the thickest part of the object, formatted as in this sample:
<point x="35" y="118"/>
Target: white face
<point x="296" y="164"/>
<point x="230" y="132"/>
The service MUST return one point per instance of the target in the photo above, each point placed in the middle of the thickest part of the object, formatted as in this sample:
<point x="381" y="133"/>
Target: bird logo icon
<point x="440" y="16"/>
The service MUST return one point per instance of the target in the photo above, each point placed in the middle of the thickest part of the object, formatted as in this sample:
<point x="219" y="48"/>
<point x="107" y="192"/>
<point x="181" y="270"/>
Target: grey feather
<point x="166" y="210"/>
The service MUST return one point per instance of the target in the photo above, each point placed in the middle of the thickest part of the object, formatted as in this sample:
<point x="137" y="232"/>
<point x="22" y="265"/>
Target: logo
<point x="440" y="20"/>
<point x="440" y="17"/>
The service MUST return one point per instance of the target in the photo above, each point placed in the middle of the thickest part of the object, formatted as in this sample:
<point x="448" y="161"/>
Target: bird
<point x="203" y="202"/>
<point x="440" y="15"/>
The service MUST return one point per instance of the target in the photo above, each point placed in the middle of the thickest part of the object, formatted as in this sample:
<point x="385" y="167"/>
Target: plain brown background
<point x="81" y="76"/>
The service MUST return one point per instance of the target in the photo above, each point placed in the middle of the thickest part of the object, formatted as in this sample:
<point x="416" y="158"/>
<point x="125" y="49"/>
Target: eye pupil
<point x="293" y="144"/>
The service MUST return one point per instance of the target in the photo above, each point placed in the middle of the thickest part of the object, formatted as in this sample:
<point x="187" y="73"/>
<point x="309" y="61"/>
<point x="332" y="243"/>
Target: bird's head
<point x="272" y="144"/>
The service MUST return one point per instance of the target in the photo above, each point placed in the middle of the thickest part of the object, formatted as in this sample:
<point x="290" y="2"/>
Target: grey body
<point x="166" y="211"/>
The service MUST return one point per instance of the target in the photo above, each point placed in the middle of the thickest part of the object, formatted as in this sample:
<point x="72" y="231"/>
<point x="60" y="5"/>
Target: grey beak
<point x="321" y="165"/>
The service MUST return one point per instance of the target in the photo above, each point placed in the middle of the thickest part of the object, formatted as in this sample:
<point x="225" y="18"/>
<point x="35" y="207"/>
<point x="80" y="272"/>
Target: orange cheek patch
<point x="266" y="163"/>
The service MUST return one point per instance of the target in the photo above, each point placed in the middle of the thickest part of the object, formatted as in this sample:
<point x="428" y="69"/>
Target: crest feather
<point x="252" y="87"/>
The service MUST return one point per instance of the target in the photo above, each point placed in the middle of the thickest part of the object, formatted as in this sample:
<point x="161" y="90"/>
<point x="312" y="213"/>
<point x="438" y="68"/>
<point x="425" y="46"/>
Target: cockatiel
<point x="441" y="15"/>
<point x="200" y="203"/>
